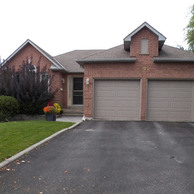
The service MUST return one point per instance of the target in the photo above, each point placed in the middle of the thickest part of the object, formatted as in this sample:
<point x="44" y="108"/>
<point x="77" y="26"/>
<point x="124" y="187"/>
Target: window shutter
<point x="144" y="46"/>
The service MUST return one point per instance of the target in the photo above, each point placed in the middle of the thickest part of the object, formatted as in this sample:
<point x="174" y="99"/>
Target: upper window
<point x="32" y="68"/>
<point x="144" y="46"/>
<point x="44" y="77"/>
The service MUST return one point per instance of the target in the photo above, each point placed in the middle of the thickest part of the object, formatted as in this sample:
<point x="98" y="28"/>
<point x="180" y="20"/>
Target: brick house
<point x="142" y="79"/>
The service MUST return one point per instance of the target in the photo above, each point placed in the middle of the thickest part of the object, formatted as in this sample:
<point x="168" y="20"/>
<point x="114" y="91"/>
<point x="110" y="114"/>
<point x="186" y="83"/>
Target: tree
<point x="190" y="31"/>
<point x="180" y="47"/>
<point x="30" y="85"/>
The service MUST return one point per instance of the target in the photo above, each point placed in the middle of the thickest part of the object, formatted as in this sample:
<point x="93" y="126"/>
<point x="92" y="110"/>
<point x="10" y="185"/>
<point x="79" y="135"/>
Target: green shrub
<point x="8" y="107"/>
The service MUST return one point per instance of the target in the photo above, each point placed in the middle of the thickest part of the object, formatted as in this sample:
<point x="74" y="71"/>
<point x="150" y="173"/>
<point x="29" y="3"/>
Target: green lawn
<point x="16" y="136"/>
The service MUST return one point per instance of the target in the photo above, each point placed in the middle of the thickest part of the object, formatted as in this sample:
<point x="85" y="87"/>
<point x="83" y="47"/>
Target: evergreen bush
<point x="9" y="106"/>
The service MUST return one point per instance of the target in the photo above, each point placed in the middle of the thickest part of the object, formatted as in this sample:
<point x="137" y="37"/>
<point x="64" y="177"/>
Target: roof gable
<point x="127" y="39"/>
<point x="56" y="65"/>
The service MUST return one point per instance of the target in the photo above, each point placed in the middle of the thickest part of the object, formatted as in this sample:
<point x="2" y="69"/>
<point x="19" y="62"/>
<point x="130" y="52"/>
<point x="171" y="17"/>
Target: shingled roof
<point x="68" y="60"/>
<point x="115" y="54"/>
<point x="71" y="61"/>
<point x="172" y="54"/>
<point x="118" y="54"/>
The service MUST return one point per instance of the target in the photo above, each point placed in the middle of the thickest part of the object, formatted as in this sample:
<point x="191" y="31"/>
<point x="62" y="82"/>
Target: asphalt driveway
<point x="108" y="158"/>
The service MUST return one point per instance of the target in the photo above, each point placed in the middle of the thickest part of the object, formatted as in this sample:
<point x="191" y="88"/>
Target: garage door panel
<point x="120" y="88"/>
<point x="174" y="116"/>
<point x="159" y="104"/>
<point x="158" y="94"/>
<point x="108" y="112"/>
<point x="189" y="100"/>
<point x="124" y="83"/>
<point x="121" y="102"/>
<point x="127" y="94"/>
<point x="170" y="100"/>
<point x="125" y="115"/>
<point x="106" y="84"/>
<point x="106" y="93"/>
<point x="176" y="94"/>
<point x="158" y="115"/>
<point x="181" y="105"/>
<point x="102" y="98"/>
<point x="156" y="99"/>
<point x="155" y="84"/>
<point x="181" y="84"/>
<point x="106" y="104"/>
<point x="127" y="101"/>
<point x="126" y="105"/>
<point x="107" y="115"/>
<point x="104" y="89"/>
<point x="182" y="89"/>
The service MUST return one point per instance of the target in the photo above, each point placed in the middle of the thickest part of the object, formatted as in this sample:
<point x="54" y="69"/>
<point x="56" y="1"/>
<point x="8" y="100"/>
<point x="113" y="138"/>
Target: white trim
<point x="161" y="37"/>
<point x="145" y="24"/>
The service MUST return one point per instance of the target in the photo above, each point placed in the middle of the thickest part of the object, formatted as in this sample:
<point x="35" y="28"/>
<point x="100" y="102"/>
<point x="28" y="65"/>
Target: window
<point x="144" y="46"/>
<point x="17" y="77"/>
<point x="78" y="90"/>
<point x="44" y="78"/>
<point x="30" y="68"/>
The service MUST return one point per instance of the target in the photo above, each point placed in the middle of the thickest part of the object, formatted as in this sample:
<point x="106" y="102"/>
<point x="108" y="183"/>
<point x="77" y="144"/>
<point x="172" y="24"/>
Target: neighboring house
<point x="143" y="79"/>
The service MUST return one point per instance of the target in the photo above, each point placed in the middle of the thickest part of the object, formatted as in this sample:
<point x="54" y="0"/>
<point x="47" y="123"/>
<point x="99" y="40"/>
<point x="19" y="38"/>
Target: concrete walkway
<point x="75" y="119"/>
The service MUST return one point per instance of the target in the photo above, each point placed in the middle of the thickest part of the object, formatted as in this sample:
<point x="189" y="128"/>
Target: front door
<point x="78" y="90"/>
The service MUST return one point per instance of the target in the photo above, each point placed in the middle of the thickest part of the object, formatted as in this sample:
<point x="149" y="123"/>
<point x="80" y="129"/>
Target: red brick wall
<point x="26" y="53"/>
<point x="145" y="33"/>
<point x="61" y="95"/>
<point x="29" y="51"/>
<point x="143" y="69"/>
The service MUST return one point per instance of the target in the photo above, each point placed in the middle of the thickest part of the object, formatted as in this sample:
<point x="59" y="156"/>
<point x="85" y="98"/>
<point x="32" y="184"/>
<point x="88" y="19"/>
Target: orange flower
<point x="49" y="109"/>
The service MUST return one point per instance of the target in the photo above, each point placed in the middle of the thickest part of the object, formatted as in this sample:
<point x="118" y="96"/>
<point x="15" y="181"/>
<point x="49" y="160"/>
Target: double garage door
<point x="166" y="100"/>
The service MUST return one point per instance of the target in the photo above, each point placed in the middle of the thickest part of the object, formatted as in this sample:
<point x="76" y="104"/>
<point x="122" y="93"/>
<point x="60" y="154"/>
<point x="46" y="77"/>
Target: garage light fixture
<point x="87" y="81"/>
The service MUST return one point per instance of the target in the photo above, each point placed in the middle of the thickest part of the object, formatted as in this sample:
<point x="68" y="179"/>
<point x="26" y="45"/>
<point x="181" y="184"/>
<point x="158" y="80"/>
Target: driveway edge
<point x="18" y="155"/>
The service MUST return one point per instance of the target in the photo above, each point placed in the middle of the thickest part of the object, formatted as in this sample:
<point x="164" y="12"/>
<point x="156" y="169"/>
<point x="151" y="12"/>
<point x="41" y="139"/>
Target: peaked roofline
<point x="56" y="65"/>
<point x="127" y="39"/>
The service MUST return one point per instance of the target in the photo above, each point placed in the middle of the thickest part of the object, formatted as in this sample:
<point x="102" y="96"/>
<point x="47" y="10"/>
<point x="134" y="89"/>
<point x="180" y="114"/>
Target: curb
<point x="18" y="155"/>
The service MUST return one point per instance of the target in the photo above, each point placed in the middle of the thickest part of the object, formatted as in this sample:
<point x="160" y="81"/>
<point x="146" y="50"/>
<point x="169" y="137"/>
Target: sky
<point x="60" y="26"/>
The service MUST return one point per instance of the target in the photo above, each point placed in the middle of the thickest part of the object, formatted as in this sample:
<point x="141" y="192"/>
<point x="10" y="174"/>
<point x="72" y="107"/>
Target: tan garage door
<point x="171" y="100"/>
<point x="117" y="99"/>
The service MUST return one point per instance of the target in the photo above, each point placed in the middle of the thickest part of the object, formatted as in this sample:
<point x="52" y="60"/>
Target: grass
<point x="16" y="136"/>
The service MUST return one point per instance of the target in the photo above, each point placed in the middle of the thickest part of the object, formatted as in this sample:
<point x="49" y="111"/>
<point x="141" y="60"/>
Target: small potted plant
<point x="50" y="113"/>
